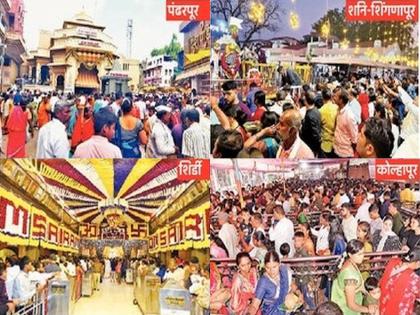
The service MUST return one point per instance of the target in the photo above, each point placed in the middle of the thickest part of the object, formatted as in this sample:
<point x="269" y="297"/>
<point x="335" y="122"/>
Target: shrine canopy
<point x="135" y="189"/>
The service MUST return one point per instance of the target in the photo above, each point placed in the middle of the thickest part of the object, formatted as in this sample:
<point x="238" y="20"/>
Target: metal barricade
<point x="317" y="268"/>
<point x="38" y="307"/>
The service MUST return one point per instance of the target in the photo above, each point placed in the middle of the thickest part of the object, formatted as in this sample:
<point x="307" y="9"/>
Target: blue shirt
<point x="250" y="99"/>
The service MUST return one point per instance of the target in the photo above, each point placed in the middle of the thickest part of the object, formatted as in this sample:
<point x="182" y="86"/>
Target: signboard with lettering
<point x="23" y="224"/>
<point x="382" y="10"/>
<point x="89" y="43"/>
<point x="187" y="10"/>
<point x="87" y="32"/>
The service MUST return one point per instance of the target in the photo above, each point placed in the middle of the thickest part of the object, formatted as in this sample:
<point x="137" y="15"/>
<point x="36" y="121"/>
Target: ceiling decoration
<point x="137" y="188"/>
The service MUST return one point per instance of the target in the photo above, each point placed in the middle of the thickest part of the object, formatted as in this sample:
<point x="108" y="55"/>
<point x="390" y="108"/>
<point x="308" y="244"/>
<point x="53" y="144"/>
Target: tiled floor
<point x="111" y="299"/>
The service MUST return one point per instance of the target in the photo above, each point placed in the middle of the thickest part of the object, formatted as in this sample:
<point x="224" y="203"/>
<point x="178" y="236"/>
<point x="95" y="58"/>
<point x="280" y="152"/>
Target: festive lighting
<point x="257" y="13"/>
<point x="294" y="20"/>
<point x="345" y="43"/>
<point x="325" y="29"/>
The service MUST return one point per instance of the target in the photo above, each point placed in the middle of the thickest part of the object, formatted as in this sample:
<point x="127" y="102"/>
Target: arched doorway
<point x="87" y="79"/>
<point x="33" y="74"/>
<point x="60" y="83"/>
<point x="45" y="75"/>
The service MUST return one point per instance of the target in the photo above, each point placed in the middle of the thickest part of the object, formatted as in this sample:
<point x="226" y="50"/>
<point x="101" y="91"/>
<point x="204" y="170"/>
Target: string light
<point x="257" y="13"/>
<point x="325" y="29"/>
<point x="294" y="20"/>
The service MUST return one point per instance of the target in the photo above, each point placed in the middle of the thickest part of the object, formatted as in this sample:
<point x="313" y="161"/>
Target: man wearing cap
<point x="228" y="234"/>
<point x="363" y="211"/>
<point x="52" y="140"/>
<point x="161" y="144"/>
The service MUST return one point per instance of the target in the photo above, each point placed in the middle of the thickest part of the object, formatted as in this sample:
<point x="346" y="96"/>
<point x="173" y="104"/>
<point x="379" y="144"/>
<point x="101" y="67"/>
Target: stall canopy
<point x="138" y="187"/>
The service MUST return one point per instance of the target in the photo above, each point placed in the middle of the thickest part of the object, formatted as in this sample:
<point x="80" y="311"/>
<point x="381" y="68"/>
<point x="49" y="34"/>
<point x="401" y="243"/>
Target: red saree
<point x="83" y="130"/>
<point x="399" y="289"/>
<point x="16" y="125"/>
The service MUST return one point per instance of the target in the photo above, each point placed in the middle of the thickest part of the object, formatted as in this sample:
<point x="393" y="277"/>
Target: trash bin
<point x="174" y="299"/>
<point x="59" y="297"/>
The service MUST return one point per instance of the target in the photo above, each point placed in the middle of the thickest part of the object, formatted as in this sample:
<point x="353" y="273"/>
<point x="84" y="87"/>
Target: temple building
<point x="12" y="45"/>
<point x="73" y="58"/>
<point x="196" y="57"/>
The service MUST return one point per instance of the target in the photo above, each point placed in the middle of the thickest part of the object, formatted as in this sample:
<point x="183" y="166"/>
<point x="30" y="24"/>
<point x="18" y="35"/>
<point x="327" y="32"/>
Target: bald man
<point x="52" y="138"/>
<point x="292" y="146"/>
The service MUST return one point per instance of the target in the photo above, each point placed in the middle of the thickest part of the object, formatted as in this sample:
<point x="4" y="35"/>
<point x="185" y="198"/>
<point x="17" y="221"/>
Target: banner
<point x="187" y="10"/>
<point x="382" y="10"/>
<point x="132" y="231"/>
<point x="23" y="224"/>
<point x="189" y="231"/>
<point x="407" y="170"/>
<point x="193" y="169"/>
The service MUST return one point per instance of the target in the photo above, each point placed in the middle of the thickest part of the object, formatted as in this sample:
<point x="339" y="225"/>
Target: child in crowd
<point x="285" y="250"/>
<point x="373" y="293"/>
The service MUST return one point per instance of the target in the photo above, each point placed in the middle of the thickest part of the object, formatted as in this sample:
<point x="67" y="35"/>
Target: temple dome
<point x="83" y="17"/>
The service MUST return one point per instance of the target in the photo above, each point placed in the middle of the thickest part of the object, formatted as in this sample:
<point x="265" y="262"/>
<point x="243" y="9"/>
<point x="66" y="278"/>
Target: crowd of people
<point x="338" y="117"/>
<point x="156" y="125"/>
<point x="190" y="275"/>
<point x="22" y="280"/>
<point x="256" y="230"/>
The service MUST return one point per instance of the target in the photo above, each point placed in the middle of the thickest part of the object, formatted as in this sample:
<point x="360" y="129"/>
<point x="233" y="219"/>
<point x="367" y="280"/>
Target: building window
<point x="126" y="67"/>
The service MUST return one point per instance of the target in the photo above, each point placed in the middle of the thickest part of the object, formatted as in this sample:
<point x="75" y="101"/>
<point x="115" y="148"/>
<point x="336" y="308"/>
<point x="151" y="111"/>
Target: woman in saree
<point x="17" y="125"/>
<point x="348" y="287"/>
<point x="275" y="290"/>
<point x="400" y="285"/>
<point x="79" y="279"/>
<point x="219" y="295"/>
<point x="243" y="284"/>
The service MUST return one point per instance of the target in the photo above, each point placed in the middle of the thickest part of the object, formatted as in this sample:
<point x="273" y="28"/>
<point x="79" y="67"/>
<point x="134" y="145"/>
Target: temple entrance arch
<point x="87" y="79"/>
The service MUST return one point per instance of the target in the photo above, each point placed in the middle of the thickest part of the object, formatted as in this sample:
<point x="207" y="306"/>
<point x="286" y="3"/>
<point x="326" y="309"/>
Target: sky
<point x="309" y="11"/>
<point x="150" y="28"/>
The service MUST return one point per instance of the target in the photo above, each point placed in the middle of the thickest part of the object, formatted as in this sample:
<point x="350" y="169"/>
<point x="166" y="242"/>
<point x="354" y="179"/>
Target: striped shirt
<point x="196" y="142"/>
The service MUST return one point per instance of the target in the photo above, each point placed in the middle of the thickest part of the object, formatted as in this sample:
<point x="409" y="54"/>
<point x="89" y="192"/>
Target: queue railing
<point x="38" y="306"/>
<point x="318" y="269"/>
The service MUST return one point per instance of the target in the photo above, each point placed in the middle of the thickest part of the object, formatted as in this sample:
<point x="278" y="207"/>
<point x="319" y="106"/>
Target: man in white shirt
<point x="13" y="270"/>
<point x="363" y="211"/>
<point x="282" y="231"/>
<point x="349" y="223"/>
<point x="343" y="198"/>
<point x="24" y="289"/>
<point x="195" y="140"/>
<point x="228" y="235"/>
<point x="116" y="105"/>
<point x="175" y="272"/>
<point x="52" y="140"/>
<point x="161" y="144"/>
<point x="322" y="244"/>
